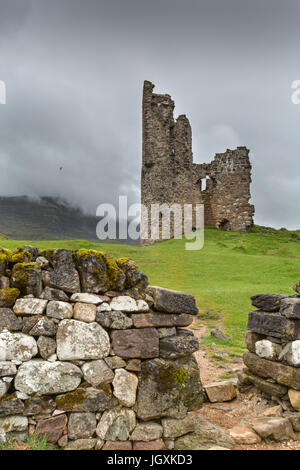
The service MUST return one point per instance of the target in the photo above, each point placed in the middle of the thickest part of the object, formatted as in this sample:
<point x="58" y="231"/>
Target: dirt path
<point x="240" y="411"/>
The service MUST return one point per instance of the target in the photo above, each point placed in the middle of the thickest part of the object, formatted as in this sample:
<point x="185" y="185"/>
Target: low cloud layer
<point x="74" y="73"/>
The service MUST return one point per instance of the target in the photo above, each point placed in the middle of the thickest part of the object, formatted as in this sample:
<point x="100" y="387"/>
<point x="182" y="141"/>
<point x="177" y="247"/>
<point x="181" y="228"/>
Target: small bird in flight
<point x="60" y="168"/>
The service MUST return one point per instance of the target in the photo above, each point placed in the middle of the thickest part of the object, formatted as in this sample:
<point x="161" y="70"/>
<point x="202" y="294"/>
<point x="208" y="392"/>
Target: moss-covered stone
<point x="21" y="256"/>
<point x="169" y="388"/>
<point x="5" y="256"/>
<point x="27" y="277"/>
<point x="86" y="400"/>
<point x="8" y="297"/>
<point x="99" y="272"/>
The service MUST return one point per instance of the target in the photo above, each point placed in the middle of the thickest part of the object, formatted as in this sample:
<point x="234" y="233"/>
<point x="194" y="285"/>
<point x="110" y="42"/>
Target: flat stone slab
<point x="273" y="324"/>
<point x="160" y="320"/>
<point x="139" y="344"/>
<point x="85" y="400"/>
<point x="270" y="302"/>
<point x="171" y="301"/>
<point x="87" y="298"/>
<point x="220" y="391"/>
<point x="126" y="304"/>
<point x="178" y="346"/>
<point x="244" y="435"/>
<point x="30" y="306"/>
<point x="77" y="340"/>
<point x="271" y="389"/>
<point x="47" y="378"/>
<point x="285" y="375"/>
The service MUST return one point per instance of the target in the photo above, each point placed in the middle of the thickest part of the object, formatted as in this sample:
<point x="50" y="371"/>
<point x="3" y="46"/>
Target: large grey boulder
<point x="78" y="340"/>
<point x="168" y="388"/>
<point x="171" y="301"/>
<point x="38" y="377"/>
<point x="17" y="346"/>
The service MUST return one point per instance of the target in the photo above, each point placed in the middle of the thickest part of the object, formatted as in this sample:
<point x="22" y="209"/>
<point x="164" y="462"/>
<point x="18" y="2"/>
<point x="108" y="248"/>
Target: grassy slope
<point x="222" y="276"/>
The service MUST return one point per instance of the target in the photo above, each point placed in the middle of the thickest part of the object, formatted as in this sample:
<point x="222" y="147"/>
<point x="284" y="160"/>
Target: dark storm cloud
<point x="74" y="72"/>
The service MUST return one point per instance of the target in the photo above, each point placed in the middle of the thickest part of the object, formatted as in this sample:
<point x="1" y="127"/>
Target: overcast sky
<point x="74" y="71"/>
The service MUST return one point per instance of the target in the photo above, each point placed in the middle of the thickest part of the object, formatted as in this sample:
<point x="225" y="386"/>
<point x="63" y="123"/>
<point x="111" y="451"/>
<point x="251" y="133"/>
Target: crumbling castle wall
<point x="169" y="175"/>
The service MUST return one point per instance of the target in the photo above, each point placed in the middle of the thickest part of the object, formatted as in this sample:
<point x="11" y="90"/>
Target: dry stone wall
<point x="93" y="357"/>
<point x="273" y="343"/>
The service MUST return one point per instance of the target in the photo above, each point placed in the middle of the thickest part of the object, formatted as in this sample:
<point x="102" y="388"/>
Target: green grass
<point x="222" y="276"/>
<point x="33" y="443"/>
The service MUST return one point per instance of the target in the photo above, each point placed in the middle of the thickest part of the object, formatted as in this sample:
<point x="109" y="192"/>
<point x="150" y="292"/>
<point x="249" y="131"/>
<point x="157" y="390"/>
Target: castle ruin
<point x="169" y="175"/>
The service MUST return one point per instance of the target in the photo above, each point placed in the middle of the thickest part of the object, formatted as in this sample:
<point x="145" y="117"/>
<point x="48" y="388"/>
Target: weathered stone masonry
<point x="93" y="357"/>
<point x="170" y="176"/>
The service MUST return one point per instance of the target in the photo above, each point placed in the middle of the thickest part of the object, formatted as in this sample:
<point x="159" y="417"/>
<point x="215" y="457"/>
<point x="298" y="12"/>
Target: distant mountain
<point x="22" y="218"/>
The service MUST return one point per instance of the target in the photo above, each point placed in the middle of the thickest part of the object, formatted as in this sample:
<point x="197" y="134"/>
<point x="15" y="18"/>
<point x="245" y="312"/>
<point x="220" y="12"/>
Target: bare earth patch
<point x="240" y="411"/>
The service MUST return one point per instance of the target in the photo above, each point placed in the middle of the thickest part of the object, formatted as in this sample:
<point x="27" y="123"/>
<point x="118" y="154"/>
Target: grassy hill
<point x="222" y="276"/>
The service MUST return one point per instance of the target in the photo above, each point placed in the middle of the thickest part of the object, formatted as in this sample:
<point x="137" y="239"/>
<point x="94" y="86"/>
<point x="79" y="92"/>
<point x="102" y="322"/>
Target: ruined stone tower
<point x="170" y="176"/>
